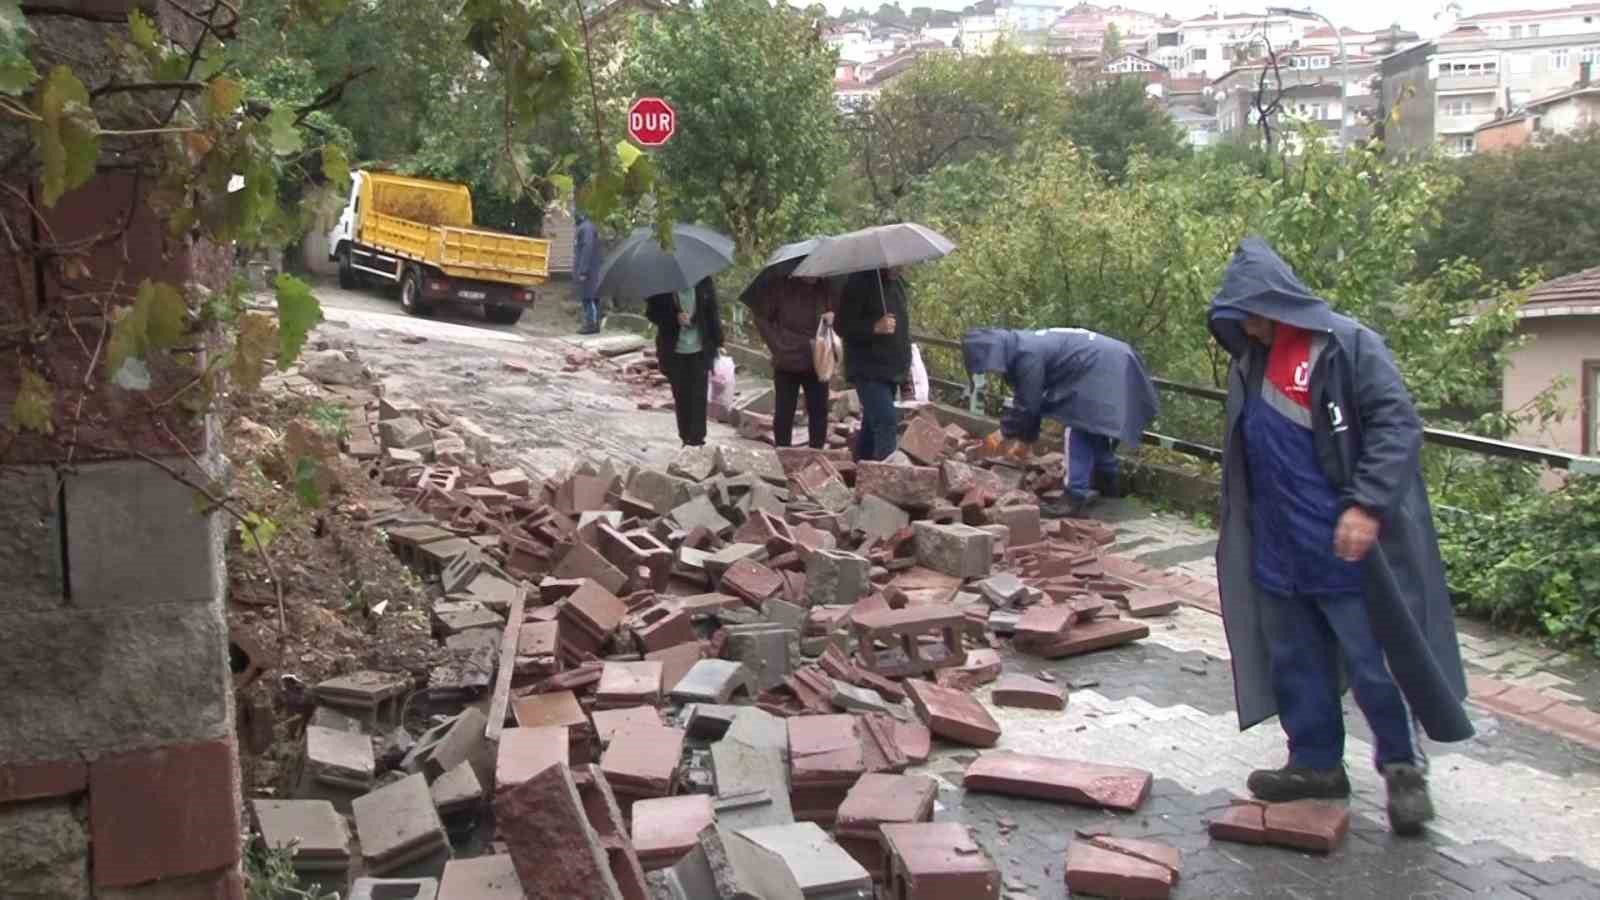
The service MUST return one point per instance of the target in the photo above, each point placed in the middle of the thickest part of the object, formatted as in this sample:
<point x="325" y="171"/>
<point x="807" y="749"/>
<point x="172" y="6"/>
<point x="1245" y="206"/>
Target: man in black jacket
<point x="876" y="329"/>
<point x="688" y="338"/>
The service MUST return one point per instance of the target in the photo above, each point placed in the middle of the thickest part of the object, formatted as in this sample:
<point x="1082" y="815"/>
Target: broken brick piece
<point x="1088" y="636"/>
<point x="1062" y="780"/>
<point x="667" y="828"/>
<point x="624" y="684"/>
<point x="938" y="859"/>
<point x="676" y="661"/>
<point x="1241" y="823"/>
<point x="1100" y="871"/>
<point x="525" y="752"/>
<point x="1143" y="604"/>
<point x="1027" y="692"/>
<point x="555" y="850"/>
<point x="1306" y="825"/>
<point x="752" y="581"/>
<point x="642" y="761"/>
<point x="877" y="800"/>
<point x="953" y="715"/>
<point x="912" y="488"/>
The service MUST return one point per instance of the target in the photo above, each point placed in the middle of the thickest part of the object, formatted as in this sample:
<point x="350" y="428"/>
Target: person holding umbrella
<point x="688" y="338"/>
<point x="873" y="318"/>
<point x="681" y="301"/>
<point x="789" y="313"/>
<point x="1094" y="385"/>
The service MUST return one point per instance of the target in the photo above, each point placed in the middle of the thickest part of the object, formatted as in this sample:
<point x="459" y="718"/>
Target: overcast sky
<point x="1417" y="15"/>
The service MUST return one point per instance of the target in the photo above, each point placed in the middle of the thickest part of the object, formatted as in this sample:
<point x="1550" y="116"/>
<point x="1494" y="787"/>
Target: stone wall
<point x="118" y="768"/>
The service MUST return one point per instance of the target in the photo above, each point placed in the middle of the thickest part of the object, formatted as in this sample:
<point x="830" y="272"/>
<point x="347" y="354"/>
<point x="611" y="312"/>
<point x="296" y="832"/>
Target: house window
<point x="1461" y="144"/>
<point x="1560" y="60"/>
<point x="1590" y="55"/>
<point x="1533" y="31"/>
<point x="1457" y="106"/>
<point x="1516" y="32"/>
<point x="1198" y="54"/>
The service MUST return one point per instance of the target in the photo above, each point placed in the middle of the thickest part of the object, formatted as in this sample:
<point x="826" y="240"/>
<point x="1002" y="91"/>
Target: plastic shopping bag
<point x="825" y="351"/>
<point x="720" y="387"/>
<point x="919" y="376"/>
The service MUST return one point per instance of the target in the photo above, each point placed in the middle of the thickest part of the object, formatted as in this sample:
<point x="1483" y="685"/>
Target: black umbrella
<point x="874" y="249"/>
<point x="640" y="268"/>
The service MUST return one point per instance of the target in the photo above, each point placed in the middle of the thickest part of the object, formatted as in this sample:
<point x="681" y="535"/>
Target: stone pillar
<point x="119" y="774"/>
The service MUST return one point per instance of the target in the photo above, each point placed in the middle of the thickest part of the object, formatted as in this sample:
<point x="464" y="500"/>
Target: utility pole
<point x="1344" y="63"/>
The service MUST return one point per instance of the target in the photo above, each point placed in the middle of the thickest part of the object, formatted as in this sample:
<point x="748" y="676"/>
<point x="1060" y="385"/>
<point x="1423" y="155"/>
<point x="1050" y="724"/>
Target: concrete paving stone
<point x="836" y="578"/>
<point x="482" y="878"/>
<point x="1027" y="692"/>
<point x="767" y="651"/>
<point x="557" y="709"/>
<point x="365" y="689"/>
<point x="957" y="550"/>
<point x="457" y="790"/>
<point x="340" y="758"/>
<point x="525" y="752"/>
<point x="752" y="785"/>
<point x="555" y="851"/>
<point x="764" y="464"/>
<point x="1061" y="780"/>
<point x="953" y="715"/>
<point x="447" y="745"/>
<point x="643" y="760"/>
<point x="812" y="861"/>
<point x="328" y="717"/>
<point x="912" y="488"/>
<point x="700" y="512"/>
<point x="667" y="828"/>
<point x="694" y="463"/>
<point x="713" y="681"/>
<point x="876" y="517"/>
<point x="385" y="888"/>
<point x="933" y="860"/>
<point x="676" y="662"/>
<point x="624" y="684"/>
<point x="398" y="825"/>
<point x="320" y="836"/>
<point x="824" y="750"/>
<point x="1003" y="589"/>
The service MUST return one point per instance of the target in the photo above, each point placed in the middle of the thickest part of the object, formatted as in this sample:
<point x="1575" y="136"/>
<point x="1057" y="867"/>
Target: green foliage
<point x="298" y="313"/>
<point x="155" y="322"/>
<point x="269" y="874"/>
<point x="16" y="70"/>
<point x="1536" y="207"/>
<point x="1534" y="562"/>
<point x="34" y="406"/>
<point x="1115" y="120"/>
<point x="256" y="532"/>
<point x="757" y="137"/>
<point x="255" y="343"/>
<point x="1111" y="47"/>
<point x="306" y="472"/>
<point x="67" y="133"/>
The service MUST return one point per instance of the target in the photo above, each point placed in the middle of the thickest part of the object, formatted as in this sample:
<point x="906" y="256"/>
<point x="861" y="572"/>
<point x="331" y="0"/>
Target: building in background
<point x="1212" y="45"/>
<point x="1307" y="85"/>
<point x="1562" y="321"/>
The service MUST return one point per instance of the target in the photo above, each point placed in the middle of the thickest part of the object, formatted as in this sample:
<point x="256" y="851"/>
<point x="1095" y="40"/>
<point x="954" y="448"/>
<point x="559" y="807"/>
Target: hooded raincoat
<point x="1079" y="378"/>
<point x="1368" y="440"/>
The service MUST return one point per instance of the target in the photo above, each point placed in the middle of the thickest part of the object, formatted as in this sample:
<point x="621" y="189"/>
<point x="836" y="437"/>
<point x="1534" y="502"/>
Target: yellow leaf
<point x="67" y="132"/>
<point x="223" y="96"/>
<point x="258" y="337"/>
<point x="34" y="405"/>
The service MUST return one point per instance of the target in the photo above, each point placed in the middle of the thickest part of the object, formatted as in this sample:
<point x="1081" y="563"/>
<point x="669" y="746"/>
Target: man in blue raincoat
<point x="1095" y="385"/>
<point x="586" y="272"/>
<point x="1327" y="560"/>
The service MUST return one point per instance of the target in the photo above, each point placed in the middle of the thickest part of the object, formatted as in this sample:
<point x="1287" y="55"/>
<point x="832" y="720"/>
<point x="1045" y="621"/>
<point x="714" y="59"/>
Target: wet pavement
<point x="1519" y="807"/>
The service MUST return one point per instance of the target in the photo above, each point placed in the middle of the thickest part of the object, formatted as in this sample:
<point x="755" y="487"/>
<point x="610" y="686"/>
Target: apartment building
<point x="1308" y="85"/>
<point x="1212" y="45"/>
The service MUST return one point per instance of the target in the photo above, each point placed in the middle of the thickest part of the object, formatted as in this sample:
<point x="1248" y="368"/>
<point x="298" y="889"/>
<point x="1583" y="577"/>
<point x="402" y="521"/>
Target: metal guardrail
<point x="1455" y="440"/>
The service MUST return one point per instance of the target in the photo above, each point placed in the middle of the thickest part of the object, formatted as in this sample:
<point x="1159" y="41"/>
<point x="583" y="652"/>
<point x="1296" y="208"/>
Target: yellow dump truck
<point x="418" y="234"/>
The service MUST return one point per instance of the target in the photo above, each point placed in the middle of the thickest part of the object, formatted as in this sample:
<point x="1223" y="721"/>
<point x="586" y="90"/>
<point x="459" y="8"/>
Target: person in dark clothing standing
<point x="586" y="273"/>
<point x="876" y="328"/>
<point x="688" y="338"/>
<point x="1327" y="561"/>
<point x="791" y="309"/>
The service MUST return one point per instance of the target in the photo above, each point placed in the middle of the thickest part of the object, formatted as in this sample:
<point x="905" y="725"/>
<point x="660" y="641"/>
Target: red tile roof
<point x="1577" y="289"/>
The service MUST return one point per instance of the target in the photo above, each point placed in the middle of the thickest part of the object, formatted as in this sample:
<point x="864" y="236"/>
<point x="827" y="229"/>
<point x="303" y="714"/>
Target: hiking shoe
<point x="1109" y="486"/>
<point x="1409" y="803"/>
<point x="1295" y="783"/>
<point x="1066" y="507"/>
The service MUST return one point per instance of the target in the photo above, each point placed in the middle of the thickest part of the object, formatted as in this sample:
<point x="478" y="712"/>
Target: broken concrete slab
<point x="879" y="519"/>
<point x="314" y="828"/>
<point x="767" y="651"/>
<point x="799" y="861"/>
<point x="953" y="715"/>
<point x="1027" y="692"/>
<point x="694" y="463"/>
<point x="1061" y="780"/>
<point x="398" y="825"/>
<point x="752" y="785"/>
<point x="385" y="888"/>
<point x="700" y="512"/>
<point x="836" y="578"/>
<point x="714" y="681"/>
<point x="446" y="746"/>
<point x="457" y="791"/>
<point x="939" y="859"/>
<point x="482" y="878"/>
<point x="764" y="464"/>
<point x="340" y="758"/>
<point x="957" y="550"/>
<point x="667" y="828"/>
<point x="404" y="433"/>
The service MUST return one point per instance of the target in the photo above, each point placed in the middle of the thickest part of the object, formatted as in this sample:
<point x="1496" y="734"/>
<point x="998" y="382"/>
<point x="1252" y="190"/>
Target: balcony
<point x="1450" y="83"/>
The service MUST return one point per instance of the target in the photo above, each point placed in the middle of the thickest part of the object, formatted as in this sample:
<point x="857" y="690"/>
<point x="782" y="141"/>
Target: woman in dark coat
<point x="876" y="328"/>
<point x="688" y="338"/>
<point x="788" y="314"/>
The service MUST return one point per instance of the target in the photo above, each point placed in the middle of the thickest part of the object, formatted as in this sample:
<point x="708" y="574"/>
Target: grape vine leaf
<point x="306" y="471"/>
<point x="223" y="96"/>
<point x="34" y="405"/>
<point x="258" y="338"/>
<point x="16" y="70"/>
<point x="141" y="31"/>
<point x="336" y="168"/>
<point x="156" y="321"/>
<point x="256" y="532"/>
<point x="627" y="153"/>
<point x="298" y="313"/>
<point x="283" y="134"/>
<point x="67" y="133"/>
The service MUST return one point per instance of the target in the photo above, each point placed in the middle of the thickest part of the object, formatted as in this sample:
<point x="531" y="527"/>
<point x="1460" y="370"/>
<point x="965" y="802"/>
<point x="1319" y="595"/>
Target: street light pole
<point x="1344" y="61"/>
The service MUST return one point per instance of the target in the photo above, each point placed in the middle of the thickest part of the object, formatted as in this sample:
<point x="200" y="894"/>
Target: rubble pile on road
<point x="708" y="680"/>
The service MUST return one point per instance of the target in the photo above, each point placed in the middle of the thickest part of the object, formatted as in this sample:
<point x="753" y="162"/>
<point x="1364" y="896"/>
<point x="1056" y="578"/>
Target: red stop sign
<point x="651" y="121"/>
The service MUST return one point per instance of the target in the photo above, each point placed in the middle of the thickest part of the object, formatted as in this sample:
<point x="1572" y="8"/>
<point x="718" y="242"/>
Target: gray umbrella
<point x="879" y="247"/>
<point x="780" y="265"/>
<point x="640" y="268"/>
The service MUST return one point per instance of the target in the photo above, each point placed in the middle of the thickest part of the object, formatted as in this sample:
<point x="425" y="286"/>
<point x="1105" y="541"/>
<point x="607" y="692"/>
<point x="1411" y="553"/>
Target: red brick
<point x="1043" y="626"/>
<point x="156" y="814"/>
<point x="608" y="722"/>
<point x="554" y="848"/>
<point x="937" y="860"/>
<point x="752" y="581"/>
<point x="981" y="667"/>
<point x="825" y="750"/>
<point x="1572" y="721"/>
<point x="953" y="715"/>
<point x="36" y="781"/>
<point x="1479" y="688"/>
<point x="1062" y="780"/>
<point x="1242" y="823"/>
<point x="1097" y="634"/>
<point x="1168" y="858"/>
<point x="665" y="828"/>
<point x="1520" y="701"/>
<point x="1104" y="872"/>
<point x="914" y="488"/>
<point x="1027" y="692"/>
<point x="555" y="709"/>
<point x="676" y="661"/>
<point x="924" y="442"/>
<point x="642" y="760"/>
<point x="914" y="740"/>
<point x="1142" y="604"/>
<point x="1023" y="522"/>
<point x="525" y="752"/>
<point x="1307" y="825"/>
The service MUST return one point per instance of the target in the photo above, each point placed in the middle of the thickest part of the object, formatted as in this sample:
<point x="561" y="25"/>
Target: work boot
<point x="1409" y="803"/>
<point x="1067" y="507"/>
<point x="1109" y="485"/>
<point x="1296" y="783"/>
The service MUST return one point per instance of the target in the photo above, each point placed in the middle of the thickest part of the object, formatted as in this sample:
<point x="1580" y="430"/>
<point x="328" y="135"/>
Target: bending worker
<point x="1094" y="385"/>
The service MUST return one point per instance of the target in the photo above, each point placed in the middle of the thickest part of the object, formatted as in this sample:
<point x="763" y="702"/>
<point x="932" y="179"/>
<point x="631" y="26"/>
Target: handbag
<point x="825" y="351"/>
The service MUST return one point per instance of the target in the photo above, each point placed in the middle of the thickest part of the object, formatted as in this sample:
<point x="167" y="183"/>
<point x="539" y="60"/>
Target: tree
<point x="949" y="109"/>
<point x="1535" y="208"/>
<point x="758" y="134"/>
<point x="1113" y="119"/>
<point x="1112" y="47"/>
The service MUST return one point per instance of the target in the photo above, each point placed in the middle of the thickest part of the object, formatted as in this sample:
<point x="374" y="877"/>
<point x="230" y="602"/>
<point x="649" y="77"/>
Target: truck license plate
<point x="471" y="295"/>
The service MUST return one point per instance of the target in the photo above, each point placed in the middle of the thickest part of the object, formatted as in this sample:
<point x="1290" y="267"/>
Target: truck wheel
<point x="411" y="294"/>
<point x="347" y="274"/>
<point x="503" y="315"/>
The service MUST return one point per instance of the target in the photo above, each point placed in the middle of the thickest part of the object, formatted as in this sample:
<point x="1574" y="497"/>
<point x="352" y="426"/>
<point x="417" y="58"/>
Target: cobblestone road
<point x="1519" y="805"/>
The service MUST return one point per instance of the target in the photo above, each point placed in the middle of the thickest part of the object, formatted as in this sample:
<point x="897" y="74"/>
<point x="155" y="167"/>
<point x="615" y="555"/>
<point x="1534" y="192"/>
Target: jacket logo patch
<point x="1336" y="416"/>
